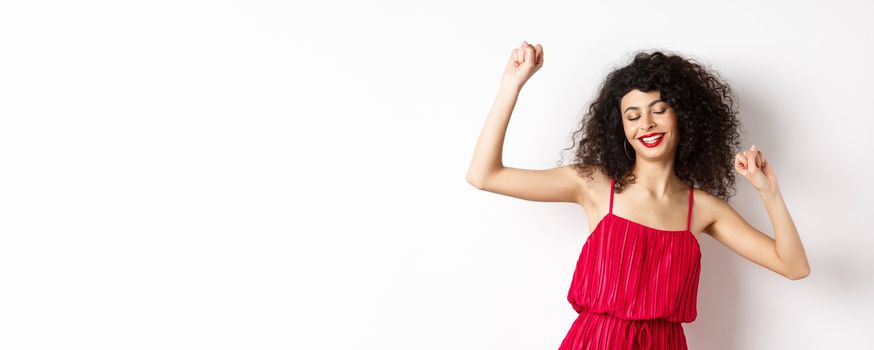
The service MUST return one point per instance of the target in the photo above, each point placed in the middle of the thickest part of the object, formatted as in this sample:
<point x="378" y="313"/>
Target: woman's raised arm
<point x="487" y="171"/>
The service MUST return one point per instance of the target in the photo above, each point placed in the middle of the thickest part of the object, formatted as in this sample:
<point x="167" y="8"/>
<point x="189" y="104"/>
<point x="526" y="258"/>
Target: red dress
<point x="633" y="286"/>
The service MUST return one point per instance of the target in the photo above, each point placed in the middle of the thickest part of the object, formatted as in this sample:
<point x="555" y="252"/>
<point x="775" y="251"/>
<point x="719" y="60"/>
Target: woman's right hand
<point x="524" y="62"/>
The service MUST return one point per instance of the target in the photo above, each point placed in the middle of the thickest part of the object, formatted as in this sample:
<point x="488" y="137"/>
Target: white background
<point x="276" y="175"/>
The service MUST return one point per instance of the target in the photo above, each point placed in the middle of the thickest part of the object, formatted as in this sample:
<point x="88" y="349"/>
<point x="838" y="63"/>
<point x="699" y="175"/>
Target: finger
<point x="538" y="50"/>
<point x="752" y="161"/>
<point x="740" y="161"/>
<point x="751" y="157"/>
<point x="522" y="52"/>
<point x="755" y="156"/>
<point x="529" y="53"/>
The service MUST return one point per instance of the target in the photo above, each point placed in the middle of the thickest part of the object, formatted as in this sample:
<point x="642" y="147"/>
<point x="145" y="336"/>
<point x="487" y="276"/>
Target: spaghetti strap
<point x="689" y="220"/>
<point x="611" y="196"/>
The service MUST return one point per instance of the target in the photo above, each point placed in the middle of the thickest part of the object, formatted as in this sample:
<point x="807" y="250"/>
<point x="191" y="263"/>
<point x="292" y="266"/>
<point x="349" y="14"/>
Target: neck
<point x="656" y="177"/>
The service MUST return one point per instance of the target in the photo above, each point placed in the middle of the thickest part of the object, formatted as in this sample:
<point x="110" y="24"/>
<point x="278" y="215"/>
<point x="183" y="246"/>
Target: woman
<point x="660" y="136"/>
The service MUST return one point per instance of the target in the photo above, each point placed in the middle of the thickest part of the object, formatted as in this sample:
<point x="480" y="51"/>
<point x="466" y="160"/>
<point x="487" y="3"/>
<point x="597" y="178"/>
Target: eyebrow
<point x="650" y="104"/>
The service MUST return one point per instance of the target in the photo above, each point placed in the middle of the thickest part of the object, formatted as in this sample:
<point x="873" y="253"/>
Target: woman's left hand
<point x="754" y="167"/>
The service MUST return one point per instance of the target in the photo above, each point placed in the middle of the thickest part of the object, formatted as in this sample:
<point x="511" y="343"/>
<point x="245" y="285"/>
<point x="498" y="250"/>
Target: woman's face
<point x="645" y="114"/>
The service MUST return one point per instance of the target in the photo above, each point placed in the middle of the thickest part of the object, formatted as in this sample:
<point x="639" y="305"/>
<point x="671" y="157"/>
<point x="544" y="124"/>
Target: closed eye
<point x="659" y="112"/>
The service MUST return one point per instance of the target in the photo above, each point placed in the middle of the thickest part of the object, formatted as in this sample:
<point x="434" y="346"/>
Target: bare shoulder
<point x="706" y="209"/>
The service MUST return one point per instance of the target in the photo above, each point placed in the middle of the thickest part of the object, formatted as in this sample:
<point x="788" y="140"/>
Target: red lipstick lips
<point x="653" y="143"/>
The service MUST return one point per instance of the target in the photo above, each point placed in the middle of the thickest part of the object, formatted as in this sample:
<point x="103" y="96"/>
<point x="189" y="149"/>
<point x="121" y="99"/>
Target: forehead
<point x="637" y="98"/>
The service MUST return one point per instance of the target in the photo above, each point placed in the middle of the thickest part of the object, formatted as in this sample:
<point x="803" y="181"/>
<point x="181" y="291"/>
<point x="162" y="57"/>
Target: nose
<point x="647" y="123"/>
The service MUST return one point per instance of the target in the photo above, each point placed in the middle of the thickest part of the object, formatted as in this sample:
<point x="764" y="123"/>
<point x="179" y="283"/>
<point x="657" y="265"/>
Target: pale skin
<point x="658" y="199"/>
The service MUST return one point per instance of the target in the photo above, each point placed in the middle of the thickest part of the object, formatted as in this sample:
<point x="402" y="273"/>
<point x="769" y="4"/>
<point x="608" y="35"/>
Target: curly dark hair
<point x="707" y="122"/>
